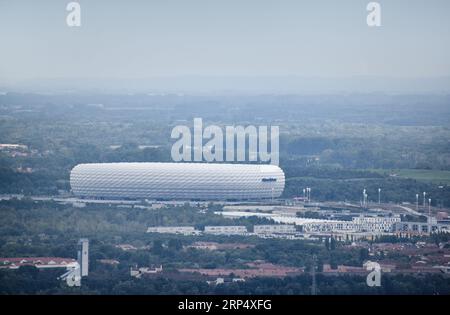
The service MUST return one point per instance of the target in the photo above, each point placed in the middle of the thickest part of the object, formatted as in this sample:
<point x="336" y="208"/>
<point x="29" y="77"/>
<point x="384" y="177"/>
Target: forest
<point x="337" y="146"/>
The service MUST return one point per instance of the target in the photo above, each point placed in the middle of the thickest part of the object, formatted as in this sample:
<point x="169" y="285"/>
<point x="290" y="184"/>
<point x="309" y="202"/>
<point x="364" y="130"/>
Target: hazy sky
<point x="142" y="39"/>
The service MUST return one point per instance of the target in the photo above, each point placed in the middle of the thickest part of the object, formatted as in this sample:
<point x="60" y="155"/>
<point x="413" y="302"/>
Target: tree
<point x="327" y="243"/>
<point x="363" y="254"/>
<point x="157" y="247"/>
<point x="175" y="244"/>
<point x="319" y="265"/>
<point x="332" y="243"/>
<point x="28" y="271"/>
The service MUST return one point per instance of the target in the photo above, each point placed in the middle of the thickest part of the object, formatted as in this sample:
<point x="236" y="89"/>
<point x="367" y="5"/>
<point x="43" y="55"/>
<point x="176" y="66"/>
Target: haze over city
<point x="204" y="46"/>
<point x="227" y="150"/>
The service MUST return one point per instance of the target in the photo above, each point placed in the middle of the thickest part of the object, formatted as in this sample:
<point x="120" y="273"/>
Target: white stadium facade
<point x="177" y="181"/>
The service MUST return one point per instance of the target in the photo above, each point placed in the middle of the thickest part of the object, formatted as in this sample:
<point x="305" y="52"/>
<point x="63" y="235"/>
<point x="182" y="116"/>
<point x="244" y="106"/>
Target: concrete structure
<point x="226" y="229"/>
<point x="358" y="224"/>
<point x="185" y="230"/>
<point x="376" y="224"/>
<point x="80" y="268"/>
<point x="274" y="228"/>
<point x="420" y="227"/>
<point x="83" y="256"/>
<point x="328" y="226"/>
<point x="184" y="181"/>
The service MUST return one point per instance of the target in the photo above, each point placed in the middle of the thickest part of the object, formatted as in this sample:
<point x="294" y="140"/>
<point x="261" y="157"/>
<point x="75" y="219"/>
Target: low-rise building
<point x="325" y="226"/>
<point x="371" y="224"/>
<point x="376" y="223"/>
<point x="111" y="262"/>
<point x="226" y="229"/>
<point x="420" y="227"/>
<point x="38" y="262"/>
<point x="441" y="215"/>
<point x="223" y="280"/>
<point x="256" y="269"/>
<point x="355" y="269"/>
<point x="185" y="230"/>
<point x="274" y="228"/>
<point x="204" y="245"/>
<point x="218" y="246"/>
<point x="126" y="247"/>
<point x="138" y="272"/>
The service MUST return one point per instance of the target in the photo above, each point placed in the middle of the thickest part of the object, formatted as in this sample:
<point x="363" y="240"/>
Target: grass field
<point x="433" y="176"/>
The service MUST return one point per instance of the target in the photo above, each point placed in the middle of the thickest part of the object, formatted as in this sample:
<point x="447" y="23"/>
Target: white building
<point x="274" y="228"/>
<point x="138" y="272"/>
<point x="358" y="224"/>
<point x="83" y="256"/>
<point x="80" y="268"/>
<point x="421" y="227"/>
<point x="226" y="229"/>
<point x="185" y="230"/>
<point x="376" y="224"/>
<point x="329" y="226"/>
<point x="38" y="262"/>
<point x="182" y="181"/>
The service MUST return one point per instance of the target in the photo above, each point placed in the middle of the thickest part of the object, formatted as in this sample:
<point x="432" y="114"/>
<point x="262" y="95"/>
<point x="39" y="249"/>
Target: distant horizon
<point x="322" y="42"/>
<point x="235" y="84"/>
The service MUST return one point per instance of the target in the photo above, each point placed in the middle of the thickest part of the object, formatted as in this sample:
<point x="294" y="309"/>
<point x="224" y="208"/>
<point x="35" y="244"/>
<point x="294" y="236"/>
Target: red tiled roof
<point x="35" y="260"/>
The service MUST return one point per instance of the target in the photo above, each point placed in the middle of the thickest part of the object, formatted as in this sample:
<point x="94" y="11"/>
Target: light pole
<point x="417" y="202"/>
<point x="429" y="207"/>
<point x="364" y="198"/>
<point x="379" y="195"/>
<point x="313" y="274"/>
<point x="424" y="194"/>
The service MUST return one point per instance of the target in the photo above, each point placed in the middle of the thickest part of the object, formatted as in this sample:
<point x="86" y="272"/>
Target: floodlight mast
<point x="429" y="207"/>
<point x="308" y="194"/>
<point x="364" y="198"/>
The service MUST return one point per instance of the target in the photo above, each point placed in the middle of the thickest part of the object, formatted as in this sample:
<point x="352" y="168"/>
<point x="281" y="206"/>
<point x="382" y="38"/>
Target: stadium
<point x="177" y="181"/>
